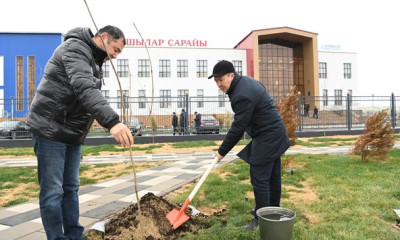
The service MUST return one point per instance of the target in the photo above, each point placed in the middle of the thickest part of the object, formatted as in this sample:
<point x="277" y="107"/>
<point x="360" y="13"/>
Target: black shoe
<point x="253" y="224"/>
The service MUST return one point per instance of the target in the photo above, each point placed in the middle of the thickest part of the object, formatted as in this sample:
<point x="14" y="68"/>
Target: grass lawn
<point x="335" y="197"/>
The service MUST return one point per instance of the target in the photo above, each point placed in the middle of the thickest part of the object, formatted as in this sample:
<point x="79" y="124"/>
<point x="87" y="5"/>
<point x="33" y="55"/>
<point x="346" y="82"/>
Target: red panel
<point x="247" y="44"/>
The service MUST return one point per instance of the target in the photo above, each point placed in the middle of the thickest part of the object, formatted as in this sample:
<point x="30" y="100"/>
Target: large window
<point x="31" y="79"/>
<point x="122" y="67"/>
<point x="143" y="68"/>
<point x="221" y="98"/>
<point x="181" y="97"/>
<point x="323" y="71"/>
<point x="20" y="83"/>
<point x="200" y="98"/>
<point x="165" y="98"/>
<point x="338" y="97"/>
<point x="347" y="70"/>
<point x="125" y="94"/>
<point x="165" y="68"/>
<point x="106" y="69"/>
<point x="142" y="98"/>
<point x="325" y="97"/>
<point x="201" y="68"/>
<point x="105" y="93"/>
<point x="281" y="66"/>
<point x="182" y="68"/>
<point x="237" y="64"/>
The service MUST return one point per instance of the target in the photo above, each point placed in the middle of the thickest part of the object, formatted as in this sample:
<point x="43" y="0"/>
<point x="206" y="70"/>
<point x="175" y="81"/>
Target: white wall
<point x="173" y="83"/>
<point x="335" y="78"/>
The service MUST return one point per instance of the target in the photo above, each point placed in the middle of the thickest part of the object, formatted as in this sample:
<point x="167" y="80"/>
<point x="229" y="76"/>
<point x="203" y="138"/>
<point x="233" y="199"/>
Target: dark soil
<point x="150" y="224"/>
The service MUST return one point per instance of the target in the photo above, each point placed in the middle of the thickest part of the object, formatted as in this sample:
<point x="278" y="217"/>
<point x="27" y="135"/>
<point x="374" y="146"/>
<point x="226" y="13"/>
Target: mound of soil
<point x="150" y="224"/>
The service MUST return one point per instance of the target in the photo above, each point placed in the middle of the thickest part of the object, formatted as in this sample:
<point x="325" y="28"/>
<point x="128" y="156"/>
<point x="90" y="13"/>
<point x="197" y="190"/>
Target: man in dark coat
<point x="256" y="114"/>
<point x="175" y="123"/>
<point x="197" y="122"/>
<point x="67" y="101"/>
<point x="183" y="121"/>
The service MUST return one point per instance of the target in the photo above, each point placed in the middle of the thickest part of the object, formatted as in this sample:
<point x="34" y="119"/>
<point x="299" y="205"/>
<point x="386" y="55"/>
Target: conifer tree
<point x="377" y="139"/>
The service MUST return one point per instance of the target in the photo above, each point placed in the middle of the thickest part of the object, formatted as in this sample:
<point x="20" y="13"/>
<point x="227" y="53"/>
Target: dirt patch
<point x="151" y="223"/>
<point x="305" y="194"/>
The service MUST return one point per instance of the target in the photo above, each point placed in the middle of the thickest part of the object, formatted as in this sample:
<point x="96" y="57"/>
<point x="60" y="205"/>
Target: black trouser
<point x="175" y="130"/>
<point x="266" y="182"/>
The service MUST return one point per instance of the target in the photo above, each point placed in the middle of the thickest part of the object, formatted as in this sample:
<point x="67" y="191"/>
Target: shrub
<point x="377" y="139"/>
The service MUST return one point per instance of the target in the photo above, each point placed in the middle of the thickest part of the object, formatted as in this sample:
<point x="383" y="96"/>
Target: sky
<point x="368" y="28"/>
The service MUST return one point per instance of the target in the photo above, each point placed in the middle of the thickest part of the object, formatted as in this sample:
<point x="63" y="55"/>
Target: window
<point x="200" y="98"/>
<point x="221" y="98"/>
<point x="165" y="98"/>
<point x="347" y="70"/>
<point x="182" y="66"/>
<point x="338" y="97"/>
<point x="105" y="93"/>
<point x="143" y="68"/>
<point x="122" y="67"/>
<point x="238" y="66"/>
<point x="201" y="68"/>
<point x="31" y="79"/>
<point x="323" y="71"/>
<point x="165" y="68"/>
<point x="325" y="97"/>
<point x="106" y="70"/>
<point x="181" y="97"/>
<point x="125" y="93"/>
<point x="20" y="83"/>
<point x="142" y="98"/>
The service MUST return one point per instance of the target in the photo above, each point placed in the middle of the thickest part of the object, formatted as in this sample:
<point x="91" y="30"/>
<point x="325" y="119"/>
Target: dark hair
<point x="114" y="32"/>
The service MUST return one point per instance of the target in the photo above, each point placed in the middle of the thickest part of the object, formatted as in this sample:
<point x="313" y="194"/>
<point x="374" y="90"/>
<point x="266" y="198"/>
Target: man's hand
<point x="219" y="156"/>
<point x="122" y="134"/>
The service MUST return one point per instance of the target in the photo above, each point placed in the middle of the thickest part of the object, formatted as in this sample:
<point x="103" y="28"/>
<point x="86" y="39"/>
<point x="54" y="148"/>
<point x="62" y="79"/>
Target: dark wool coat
<point x="256" y="114"/>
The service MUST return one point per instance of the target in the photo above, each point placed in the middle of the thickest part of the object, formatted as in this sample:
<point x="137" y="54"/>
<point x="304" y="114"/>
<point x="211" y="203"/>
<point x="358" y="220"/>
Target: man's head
<point x="113" y="39"/>
<point x="183" y="110"/>
<point x="173" y="113"/>
<point x="195" y="113"/>
<point x="223" y="73"/>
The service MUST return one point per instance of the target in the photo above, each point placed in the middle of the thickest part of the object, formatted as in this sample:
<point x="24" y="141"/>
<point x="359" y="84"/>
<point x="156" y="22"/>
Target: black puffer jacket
<point x="68" y="97"/>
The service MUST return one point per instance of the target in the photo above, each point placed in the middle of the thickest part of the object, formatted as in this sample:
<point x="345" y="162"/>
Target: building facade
<point x="278" y="57"/>
<point x="23" y="57"/>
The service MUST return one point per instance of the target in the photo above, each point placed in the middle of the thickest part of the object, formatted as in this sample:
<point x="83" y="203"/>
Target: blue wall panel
<point x="39" y="45"/>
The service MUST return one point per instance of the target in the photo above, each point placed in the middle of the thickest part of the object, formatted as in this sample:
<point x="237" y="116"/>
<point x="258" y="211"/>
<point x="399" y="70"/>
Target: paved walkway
<point x="98" y="201"/>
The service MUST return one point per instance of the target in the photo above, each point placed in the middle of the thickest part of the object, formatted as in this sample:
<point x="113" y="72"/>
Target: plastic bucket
<point x="276" y="223"/>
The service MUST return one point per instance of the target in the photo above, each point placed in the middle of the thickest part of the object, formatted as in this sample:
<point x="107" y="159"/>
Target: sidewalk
<point x="98" y="201"/>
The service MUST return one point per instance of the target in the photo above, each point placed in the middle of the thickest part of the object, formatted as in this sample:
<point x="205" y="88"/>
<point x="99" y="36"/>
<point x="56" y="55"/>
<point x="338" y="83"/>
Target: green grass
<point x="19" y="151"/>
<point x="191" y="144"/>
<point x="325" y="142"/>
<point x="355" y="199"/>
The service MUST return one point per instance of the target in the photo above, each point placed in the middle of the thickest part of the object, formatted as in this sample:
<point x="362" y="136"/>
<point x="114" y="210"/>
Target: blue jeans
<point x="266" y="182"/>
<point x="58" y="174"/>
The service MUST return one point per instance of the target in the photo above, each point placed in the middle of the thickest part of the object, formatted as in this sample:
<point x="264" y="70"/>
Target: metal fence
<point x="155" y="114"/>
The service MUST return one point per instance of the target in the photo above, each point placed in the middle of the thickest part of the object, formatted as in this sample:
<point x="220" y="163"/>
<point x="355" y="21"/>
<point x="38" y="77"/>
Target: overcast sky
<point x="368" y="28"/>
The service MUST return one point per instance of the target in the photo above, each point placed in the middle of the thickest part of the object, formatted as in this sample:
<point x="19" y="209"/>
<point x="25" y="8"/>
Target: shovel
<point x="178" y="217"/>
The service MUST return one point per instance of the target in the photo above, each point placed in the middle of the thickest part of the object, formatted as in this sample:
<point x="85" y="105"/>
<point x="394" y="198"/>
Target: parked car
<point x="135" y="126"/>
<point x="209" y="124"/>
<point x="14" y="129"/>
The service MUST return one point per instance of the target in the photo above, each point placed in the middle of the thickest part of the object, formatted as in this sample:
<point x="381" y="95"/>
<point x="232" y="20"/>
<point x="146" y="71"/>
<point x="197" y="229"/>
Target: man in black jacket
<point x="184" y="122"/>
<point x="197" y="122"/>
<point x="256" y="114"/>
<point x="175" y="123"/>
<point x="67" y="101"/>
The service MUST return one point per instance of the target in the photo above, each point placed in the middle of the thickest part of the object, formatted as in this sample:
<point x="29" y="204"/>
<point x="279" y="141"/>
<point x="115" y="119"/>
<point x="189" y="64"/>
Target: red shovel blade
<point x="178" y="217"/>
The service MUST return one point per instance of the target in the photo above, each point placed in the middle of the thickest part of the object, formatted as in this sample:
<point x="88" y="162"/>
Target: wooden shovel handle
<point x="198" y="185"/>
